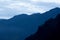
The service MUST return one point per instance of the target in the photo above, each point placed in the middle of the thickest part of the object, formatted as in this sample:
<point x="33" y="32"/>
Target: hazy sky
<point x="9" y="8"/>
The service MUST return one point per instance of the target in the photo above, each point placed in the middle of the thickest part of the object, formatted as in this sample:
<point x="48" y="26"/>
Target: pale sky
<point x="10" y="8"/>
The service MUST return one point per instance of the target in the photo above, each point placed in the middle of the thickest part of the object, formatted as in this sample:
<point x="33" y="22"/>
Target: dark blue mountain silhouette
<point x="48" y="31"/>
<point x="21" y="26"/>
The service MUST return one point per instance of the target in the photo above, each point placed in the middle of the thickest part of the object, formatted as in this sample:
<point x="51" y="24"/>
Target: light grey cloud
<point x="9" y="8"/>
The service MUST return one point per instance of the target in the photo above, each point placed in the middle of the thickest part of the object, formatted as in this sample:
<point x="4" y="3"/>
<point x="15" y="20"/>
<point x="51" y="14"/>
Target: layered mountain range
<point x="21" y="26"/>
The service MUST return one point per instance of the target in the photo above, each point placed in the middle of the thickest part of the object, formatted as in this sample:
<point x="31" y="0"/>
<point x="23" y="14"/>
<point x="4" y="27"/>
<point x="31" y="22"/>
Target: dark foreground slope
<point x="48" y="31"/>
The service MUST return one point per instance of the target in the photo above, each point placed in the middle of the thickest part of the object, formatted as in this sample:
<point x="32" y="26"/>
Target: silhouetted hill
<point x="21" y="26"/>
<point x="48" y="31"/>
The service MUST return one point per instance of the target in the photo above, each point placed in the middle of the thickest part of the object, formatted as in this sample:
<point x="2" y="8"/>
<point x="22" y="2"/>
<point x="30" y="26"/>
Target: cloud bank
<point x="9" y="8"/>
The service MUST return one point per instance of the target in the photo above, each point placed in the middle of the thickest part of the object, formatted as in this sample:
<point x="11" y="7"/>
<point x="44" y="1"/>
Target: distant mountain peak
<point x="53" y="12"/>
<point x="56" y="8"/>
<point x="21" y="15"/>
